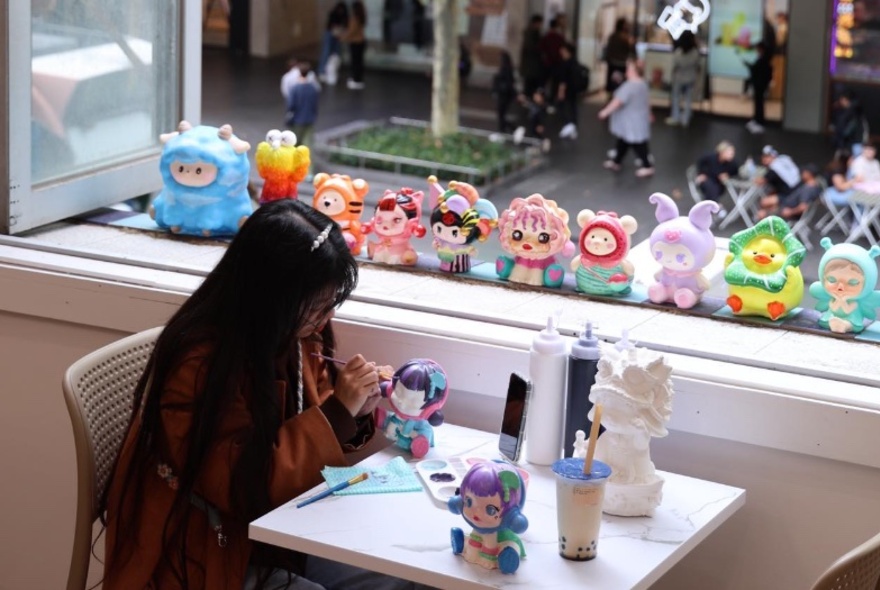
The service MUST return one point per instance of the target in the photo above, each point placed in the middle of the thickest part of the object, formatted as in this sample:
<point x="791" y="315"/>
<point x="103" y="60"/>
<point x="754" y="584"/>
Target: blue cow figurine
<point x="205" y="172"/>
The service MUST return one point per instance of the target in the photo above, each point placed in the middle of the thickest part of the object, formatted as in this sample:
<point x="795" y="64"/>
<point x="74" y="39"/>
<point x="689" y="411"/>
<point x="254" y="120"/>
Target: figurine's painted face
<point x="449" y="233"/>
<point x="196" y="174"/>
<point x="764" y="255"/>
<point x="600" y="242"/>
<point x="408" y="402"/>
<point x="482" y="511"/>
<point x="674" y="256"/>
<point x="844" y="281"/>
<point x="390" y="223"/>
<point x="331" y="203"/>
<point x="530" y="243"/>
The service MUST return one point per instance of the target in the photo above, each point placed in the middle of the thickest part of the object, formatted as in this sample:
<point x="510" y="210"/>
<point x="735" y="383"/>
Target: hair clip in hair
<point x="321" y="237"/>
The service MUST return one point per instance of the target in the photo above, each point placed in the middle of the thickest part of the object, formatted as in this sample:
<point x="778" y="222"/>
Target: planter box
<point x="507" y="162"/>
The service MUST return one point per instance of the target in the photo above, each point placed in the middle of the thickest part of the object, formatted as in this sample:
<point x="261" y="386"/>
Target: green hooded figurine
<point x="845" y="289"/>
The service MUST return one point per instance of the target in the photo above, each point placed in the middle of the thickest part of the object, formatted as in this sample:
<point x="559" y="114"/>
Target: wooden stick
<point x="594" y="436"/>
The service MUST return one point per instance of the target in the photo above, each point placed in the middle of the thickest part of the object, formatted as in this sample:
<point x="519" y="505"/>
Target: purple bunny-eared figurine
<point x="683" y="246"/>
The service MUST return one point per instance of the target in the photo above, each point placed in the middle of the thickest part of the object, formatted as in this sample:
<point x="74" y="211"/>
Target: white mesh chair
<point x="837" y="216"/>
<point x="857" y="570"/>
<point x="99" y="390"/>
<point x="691" y="174"/>
<point x="803" y="227"/>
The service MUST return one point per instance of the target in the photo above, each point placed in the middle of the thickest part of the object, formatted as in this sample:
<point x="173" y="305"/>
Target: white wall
<point x="802" y="510"/>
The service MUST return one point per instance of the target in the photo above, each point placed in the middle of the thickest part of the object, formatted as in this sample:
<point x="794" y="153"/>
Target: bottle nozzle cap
<point x="587" y="345"/>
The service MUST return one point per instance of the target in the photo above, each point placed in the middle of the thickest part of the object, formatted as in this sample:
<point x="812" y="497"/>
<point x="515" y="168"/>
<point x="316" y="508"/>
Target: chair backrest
<point x="857" y="570"/>
<point x="691" y="174"/>
<point x="99" y="391"/>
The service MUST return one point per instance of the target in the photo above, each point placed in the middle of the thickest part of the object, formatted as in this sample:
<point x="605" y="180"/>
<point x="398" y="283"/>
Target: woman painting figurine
<point x="235" y="415"/>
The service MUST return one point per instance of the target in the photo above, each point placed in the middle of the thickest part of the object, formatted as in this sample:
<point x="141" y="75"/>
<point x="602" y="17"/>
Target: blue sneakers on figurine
<point x="457" y="537"/>
<point x="508" y="560"/>
<point x="504" y="266"/>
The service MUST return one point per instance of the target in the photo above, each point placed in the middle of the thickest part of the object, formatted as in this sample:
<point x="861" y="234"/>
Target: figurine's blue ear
<point x="874" y="252"/>
<point x="436" y="419"/>
<point x="455" y="504"/>
<point x="516" y="521"/>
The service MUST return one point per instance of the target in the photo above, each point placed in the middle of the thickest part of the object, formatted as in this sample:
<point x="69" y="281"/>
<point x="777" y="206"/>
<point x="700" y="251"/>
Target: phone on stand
<point x="513" y="423"/>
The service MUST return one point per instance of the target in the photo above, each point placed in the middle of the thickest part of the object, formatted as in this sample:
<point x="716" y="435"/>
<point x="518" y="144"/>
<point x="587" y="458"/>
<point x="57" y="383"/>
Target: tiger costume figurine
<point x="342" y="199"/>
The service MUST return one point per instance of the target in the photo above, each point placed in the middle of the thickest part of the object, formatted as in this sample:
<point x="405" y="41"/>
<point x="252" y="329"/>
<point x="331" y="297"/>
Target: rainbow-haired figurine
<point x="683" y="246"/>
<point x="397" y="219"/>
<point x="459" y="218"/>
<point x="534" y="230"/>
<point x="845" y="290"/>
<point x="416" y="392"/>
<point x="490" y="499"/>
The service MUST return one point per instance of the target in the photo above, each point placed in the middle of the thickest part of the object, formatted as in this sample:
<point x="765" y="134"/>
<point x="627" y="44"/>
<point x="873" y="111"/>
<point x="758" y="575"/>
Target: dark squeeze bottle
<point x="583" y="362"/>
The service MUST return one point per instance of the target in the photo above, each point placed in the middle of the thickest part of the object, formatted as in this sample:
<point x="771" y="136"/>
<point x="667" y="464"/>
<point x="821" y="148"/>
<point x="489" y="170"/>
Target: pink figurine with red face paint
<point x="396" y="221"/>
<point x="534" y="230"/>
<point x="601" y="267"/>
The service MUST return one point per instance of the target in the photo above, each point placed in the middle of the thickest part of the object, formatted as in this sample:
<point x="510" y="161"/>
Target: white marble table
<point x="407" y="534"/>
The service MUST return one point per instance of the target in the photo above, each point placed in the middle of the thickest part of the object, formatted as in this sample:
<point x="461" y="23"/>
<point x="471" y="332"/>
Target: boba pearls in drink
<point x="579" y="499"/>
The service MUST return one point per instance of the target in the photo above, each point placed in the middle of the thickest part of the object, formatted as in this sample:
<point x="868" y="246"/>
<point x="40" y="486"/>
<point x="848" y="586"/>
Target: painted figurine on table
<point x="534" y="230"/>
<point x="490" y="499"/>
<point x="762" y="271"/>
<point x="205" y="174"/>
<point x="282" y="165"/>
<point x="845" y="291"/>
<point x="459" y="218"/>
<point x="683" y="246"/>
<point x="601" y="267"/>
<point x="397" y="219"/>
<point x="342" y="199"/>
<point x="416" y="392"/>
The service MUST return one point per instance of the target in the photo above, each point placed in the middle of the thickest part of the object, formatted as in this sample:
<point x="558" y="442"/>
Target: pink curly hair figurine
<point x="682" y="246"/>
<point x="490" y="499"/>
<point x="459" y="218"/>
<point x="416" y="392"/>
<point x="601" y="267"/>
<point x="534" y="230"/>
<point x="396" y="221"/>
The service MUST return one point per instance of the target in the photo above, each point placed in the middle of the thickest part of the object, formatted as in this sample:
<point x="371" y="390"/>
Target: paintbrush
<point x="383" y="374"/>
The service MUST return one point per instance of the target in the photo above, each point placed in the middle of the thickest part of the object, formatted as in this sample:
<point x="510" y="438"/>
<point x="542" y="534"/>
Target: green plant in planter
<point x="460" y="149"/>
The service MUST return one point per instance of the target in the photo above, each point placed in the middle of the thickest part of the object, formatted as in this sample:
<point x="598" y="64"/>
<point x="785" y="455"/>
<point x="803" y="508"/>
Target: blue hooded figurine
<point x="845" y="290"/>
<point x="205" y="172"/>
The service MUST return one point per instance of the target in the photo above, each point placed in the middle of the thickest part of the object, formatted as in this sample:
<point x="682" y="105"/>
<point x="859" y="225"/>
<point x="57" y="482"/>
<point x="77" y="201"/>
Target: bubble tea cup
<point x="579" y="499"/>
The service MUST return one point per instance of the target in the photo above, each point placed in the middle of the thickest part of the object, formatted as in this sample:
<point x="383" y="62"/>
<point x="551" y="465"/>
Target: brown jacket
<point x="305" y="443"/>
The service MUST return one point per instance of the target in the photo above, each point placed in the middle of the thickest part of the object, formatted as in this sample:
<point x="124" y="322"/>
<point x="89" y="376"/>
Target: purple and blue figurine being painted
<point x="683" y="246"/>
<point x="416" y="393"/>
<point x="490" y="499"/>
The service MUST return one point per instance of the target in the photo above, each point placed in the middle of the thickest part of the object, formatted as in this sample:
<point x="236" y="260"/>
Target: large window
<point x="91" y="85"/>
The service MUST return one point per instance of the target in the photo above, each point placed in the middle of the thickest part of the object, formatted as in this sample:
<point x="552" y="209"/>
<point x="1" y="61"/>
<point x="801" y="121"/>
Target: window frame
<point x="25" y="205"/>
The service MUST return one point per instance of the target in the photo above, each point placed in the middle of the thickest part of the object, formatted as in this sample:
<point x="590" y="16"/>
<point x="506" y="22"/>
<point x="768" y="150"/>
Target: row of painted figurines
<point x="205" y="171"/>
<point x="761" y="269"/>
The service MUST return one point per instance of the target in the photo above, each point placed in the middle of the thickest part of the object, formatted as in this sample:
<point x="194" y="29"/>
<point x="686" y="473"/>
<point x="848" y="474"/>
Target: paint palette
<point x="443" y="476"/>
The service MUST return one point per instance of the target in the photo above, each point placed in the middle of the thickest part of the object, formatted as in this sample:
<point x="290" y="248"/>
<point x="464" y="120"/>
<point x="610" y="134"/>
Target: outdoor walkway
<point x="245" y="93"/>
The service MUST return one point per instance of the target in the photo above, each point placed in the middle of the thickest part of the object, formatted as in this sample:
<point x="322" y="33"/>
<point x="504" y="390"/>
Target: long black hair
<point x="248" y="310"/>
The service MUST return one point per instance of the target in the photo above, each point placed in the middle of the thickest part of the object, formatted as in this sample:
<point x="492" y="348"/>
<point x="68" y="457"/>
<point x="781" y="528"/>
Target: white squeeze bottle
<point x="548" y="365"/>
